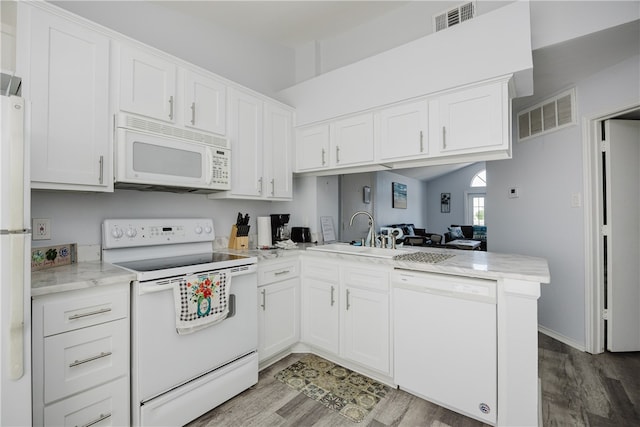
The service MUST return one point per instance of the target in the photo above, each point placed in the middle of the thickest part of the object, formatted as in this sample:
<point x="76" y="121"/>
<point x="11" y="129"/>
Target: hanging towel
<point x="201" y="300"/>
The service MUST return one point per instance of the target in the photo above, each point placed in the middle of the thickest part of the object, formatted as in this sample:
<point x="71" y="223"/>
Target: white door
<point x="352" y="140"/>
<point x="321" y="327"/>
<point x="205" y="103"/>
<point x="623" y="239"/>
<point x="278" y="317"/>
<point x="246" y="134"/>
<point x="403" y="131"/>
<point x="312" y="148"/>
<point x="277" y="152"/>
<point x="147" y="85"/>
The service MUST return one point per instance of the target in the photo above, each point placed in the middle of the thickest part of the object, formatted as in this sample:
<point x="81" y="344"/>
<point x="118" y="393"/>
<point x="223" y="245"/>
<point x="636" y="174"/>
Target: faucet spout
<point x="372" y="227"/>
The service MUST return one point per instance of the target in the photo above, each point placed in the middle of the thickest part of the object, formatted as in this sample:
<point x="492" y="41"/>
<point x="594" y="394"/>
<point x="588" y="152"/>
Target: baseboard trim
<point x="562" y="338"/>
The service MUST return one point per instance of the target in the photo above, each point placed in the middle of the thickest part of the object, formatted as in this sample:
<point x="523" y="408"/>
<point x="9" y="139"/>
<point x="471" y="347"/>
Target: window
<point x="475" y="200"/>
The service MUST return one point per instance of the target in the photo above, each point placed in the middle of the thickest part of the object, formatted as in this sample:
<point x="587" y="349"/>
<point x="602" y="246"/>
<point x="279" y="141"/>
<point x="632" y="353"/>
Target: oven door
<point x="162" y="359"/>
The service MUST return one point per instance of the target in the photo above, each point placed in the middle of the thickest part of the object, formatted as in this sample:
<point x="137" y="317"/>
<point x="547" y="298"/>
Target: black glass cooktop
<point x="157" y="264"/>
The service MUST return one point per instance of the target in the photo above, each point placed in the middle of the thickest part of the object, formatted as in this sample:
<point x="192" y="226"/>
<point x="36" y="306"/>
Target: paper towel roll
<point x="264" y="231"/>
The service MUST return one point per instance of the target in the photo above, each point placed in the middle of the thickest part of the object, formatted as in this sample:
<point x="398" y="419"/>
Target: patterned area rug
<point x="342" y="390"/>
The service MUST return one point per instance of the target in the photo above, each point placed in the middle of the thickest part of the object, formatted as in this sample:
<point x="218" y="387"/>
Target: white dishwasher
<point x="445" y="346"/>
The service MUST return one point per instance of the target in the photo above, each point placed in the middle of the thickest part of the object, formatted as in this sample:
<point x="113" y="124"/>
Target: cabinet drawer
<point x="321" y="270"/>
<point x="70" y="313"/>
<point x="78" y="360"/>
<point x="275" y="272"/>
<point x="367" y="279"/>
<point x="107" y="405"/>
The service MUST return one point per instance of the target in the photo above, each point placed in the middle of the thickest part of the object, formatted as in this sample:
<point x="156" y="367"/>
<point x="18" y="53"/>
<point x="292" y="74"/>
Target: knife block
<point x="237" y="242"/>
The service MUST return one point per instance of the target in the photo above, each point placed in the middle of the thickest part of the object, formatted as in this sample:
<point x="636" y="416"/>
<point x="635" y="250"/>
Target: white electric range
<point x="176" y="377"/>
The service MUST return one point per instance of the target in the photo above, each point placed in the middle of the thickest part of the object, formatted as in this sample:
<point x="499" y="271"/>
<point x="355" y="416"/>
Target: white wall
<point x="541" y="222"/>
<point x="385" y="214"/>
<point x="456" y="183"/>
<point x="256" y="64"/>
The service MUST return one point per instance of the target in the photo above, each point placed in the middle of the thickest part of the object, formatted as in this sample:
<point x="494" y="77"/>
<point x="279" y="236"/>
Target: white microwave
<point x="158" y="157"/>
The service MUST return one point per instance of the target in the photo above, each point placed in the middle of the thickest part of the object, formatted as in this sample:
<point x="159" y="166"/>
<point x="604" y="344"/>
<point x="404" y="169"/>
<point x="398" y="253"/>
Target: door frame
<point x="594" y="277"/>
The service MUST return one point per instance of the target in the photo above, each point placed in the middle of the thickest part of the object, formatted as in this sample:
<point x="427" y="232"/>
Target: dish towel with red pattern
<point x="201" y="300"/>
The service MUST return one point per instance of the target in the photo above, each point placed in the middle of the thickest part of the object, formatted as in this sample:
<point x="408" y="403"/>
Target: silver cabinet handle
<point x="323" y="154"/>
<point x="264" y="299"/>
<point x="91" y="313"/>
<point x="421" y="142"/>
<point x="348" y="304"/>
<point x="90" y="359"/>
<point x="333" y="301"/>
<point x="277" y="273"/>
<point x="260" y="185"/>
<point x="101" y="176"/>
<point x="337" y="154"/>
<point x="444" y="137"/>
<point x="273" y="186"/>
<point x="193" y="113"/>
<point x="171" y="107"/>
<point x="101" y="417"/>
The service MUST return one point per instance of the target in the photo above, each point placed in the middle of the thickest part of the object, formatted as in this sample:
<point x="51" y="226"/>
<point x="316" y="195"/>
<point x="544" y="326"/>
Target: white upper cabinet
<point x="205" y="103"/>
<point x="67" y="83"/>
<point x="260" y="134"/>
<point x="352" y="140"/>
<point x="312" y="148"/>
<point x="470" y="120"/>
<point x="147" y="84"/>
<point x="278" y="129"/>
<point x="403" y="132"/>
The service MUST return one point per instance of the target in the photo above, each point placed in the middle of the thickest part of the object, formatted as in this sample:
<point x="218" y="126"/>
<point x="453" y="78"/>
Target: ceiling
<point x="293" y="23"/>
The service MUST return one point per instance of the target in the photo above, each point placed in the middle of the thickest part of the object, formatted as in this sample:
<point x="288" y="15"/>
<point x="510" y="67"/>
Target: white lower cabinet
<point x="81" y="357"/>
<point x="346" y="312"/>
<point x="279" y="307"/>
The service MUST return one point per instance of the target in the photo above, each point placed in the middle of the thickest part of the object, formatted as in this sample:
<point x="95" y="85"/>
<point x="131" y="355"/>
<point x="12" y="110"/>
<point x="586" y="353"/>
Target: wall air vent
<point x="454" y="16"/>
<point x="548" y="116"/>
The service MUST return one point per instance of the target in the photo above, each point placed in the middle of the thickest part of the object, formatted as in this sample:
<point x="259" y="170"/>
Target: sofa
<point x="469" y="232"/>
<point x="413" y="236"/>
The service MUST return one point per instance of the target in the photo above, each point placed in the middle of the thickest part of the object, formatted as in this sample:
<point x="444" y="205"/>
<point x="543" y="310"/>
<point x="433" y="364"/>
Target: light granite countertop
<point x="486" y="265"/>
<point x="82" y="275"/>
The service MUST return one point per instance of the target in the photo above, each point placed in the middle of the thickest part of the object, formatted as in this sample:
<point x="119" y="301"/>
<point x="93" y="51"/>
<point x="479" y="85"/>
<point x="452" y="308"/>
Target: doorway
<point x="353" y="198"/>
<point x="612" y="248"/>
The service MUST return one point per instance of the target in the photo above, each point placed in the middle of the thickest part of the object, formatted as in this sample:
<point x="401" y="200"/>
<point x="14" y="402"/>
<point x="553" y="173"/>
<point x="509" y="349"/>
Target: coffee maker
<point x="279" y="227"/>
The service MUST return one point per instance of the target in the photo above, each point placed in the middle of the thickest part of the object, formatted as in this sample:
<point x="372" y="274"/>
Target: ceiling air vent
<point x="550" y="115"/>
<point x="454" y="16"/>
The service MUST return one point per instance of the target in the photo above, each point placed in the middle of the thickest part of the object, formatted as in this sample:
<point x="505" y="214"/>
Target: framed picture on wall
<point x="445" y="202"/>
<point x="399" y="195"/>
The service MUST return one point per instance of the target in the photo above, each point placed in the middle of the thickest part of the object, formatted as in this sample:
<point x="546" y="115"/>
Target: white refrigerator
<point x="15" y="267"/>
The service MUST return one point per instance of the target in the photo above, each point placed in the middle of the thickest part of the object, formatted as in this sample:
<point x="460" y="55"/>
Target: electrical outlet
<point x="41" y="229"/>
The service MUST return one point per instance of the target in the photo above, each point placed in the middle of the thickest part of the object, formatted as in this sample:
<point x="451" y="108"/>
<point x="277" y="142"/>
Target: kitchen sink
<point x="344" y="248"/>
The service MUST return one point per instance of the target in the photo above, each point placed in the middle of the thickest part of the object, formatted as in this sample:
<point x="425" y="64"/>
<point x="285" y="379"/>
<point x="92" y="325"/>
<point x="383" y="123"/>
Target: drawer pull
<point x="90" y="359"/>
<point x="264" y="300"/>
<point x="101" y="417"/>
<point x="278" y="273"/>
<point x="348" y="304"/>
<point x="91" y="313"/>
<point x="333" y="300"/>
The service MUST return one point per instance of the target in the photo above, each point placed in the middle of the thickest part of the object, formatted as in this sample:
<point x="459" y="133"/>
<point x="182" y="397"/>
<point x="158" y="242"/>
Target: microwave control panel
<point x="220" y="167"/>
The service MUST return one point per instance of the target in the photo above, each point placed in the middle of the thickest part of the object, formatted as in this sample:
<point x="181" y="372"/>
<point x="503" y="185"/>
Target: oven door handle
<point x="145" y="288"/>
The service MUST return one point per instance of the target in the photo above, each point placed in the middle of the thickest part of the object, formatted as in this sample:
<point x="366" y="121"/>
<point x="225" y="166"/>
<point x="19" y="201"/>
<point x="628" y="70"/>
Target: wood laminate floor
<point x="578" y="389"/>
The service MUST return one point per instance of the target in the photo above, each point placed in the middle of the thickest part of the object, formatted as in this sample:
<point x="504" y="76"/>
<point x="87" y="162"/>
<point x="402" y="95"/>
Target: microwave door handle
<point x="209" y="168"/>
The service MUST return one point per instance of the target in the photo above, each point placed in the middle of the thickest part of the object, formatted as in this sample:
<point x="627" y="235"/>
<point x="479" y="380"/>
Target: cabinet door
<point x="403" y="131"/>
<point x="470" y="120"/>
<point x="245" y="132"/>
<point x="312" y="148"/>
<point x="321" y="326"/>
<point x="366" y="328"/>
<point x="278" y="317"/>
<point x="69" y="94"/>
<point x="205" y="103"/>
<point x="277" y="152"/>
<point x="352" y="140"/>
<point x="147" y="84"/>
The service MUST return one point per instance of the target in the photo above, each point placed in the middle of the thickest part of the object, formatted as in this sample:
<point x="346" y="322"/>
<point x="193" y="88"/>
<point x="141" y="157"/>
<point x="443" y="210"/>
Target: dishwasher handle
<point x="451" y="286"/>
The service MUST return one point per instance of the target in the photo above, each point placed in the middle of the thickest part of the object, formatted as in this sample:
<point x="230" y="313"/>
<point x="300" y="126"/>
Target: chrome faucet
<point x="372" y="228"/>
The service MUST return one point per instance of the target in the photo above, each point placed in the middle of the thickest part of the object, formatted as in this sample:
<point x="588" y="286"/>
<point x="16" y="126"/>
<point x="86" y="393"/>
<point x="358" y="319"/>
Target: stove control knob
<point x="132" y="232"/>
<point x="116" y="232"/>
<point x="198" y="230"/>
<point x="208" y="230"/>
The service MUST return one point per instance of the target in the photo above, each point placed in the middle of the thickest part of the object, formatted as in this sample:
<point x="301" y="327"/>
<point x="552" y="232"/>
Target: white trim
<point x="561" y="338"/>
<point x="594" y="286"/>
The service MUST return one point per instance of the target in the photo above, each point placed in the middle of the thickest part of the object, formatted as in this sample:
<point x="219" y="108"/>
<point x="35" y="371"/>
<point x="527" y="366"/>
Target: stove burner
<point x="157" y="264"/>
